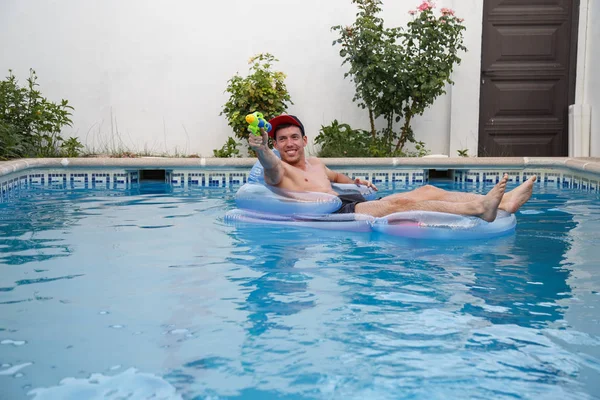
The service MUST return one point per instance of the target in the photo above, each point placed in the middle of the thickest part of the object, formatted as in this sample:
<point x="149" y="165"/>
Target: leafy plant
<point x="71" y="147"/>
<point x="11" y="145"/>
<point x="229" y="149"/>
<point x="463" y="153"/>
<point x="340" y="140"/>
<point x="420" y="150"/>
<point x="399" y="72"/>
<point x="30" y="124"/>
<point x="262" y="90"/>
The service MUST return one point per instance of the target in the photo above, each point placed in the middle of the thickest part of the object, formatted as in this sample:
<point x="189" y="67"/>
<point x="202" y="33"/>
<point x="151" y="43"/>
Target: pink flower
<point x="447" y="11"/>
<point x="425" y="5"/>
<point x="460" y="19"/>
<point x="412" y="12"/>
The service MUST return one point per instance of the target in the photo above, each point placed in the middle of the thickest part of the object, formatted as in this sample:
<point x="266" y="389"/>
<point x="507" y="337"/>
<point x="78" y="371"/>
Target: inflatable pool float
<point x="259" y="203"/>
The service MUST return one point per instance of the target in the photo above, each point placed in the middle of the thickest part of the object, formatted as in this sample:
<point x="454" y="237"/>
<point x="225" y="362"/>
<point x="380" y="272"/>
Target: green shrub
<point x="340" y="140"/>
<point x="399" y="72"/>
<point x="11" y="142"/>
<point x="30" y="124"/>
<point x="71" y="147"/>
<point x="262" y="90"/>
<point x="229" y="149"/>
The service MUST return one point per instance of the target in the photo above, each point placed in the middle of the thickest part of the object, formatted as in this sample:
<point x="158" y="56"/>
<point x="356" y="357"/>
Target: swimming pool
<point x="146" y="290"/>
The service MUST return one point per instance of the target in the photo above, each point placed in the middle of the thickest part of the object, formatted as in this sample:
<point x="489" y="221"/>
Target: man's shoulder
<point x="314" y="160"/>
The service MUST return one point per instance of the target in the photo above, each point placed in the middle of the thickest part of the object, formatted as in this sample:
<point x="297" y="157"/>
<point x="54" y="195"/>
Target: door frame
<point x="573" y="59"/>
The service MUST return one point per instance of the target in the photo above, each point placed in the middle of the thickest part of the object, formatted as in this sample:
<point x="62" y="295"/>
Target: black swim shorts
<point x="349" y="202"/>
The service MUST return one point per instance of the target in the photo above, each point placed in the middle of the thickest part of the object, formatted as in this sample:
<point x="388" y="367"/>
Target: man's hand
<point x="259" y="143"/>
<point x="359" y="181"/>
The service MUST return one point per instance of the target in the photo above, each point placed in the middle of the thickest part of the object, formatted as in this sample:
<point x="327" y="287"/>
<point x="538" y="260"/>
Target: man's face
<point x="290" y="143"/>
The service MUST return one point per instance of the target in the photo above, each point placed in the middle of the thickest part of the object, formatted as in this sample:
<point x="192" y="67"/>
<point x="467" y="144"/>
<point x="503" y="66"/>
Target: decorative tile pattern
<point x="100" y="180"/>
<point x="491" y="176"/>
<point x="217" y="179"/>
<point x="119" y="179"/>
<point x="585" y="184"/>
<point x="567" y="181"/>
<point x="79" y="181"/>
<point x="551" y="177"/>
<point x="11" y="188"/>
<point x="366" y="175"/>
<point x="23" y="179"/>
<point x="556" y="178"/>
<point x="237" y="178"/>
<point x="133" y="177"/>
<point x="417" y="177"/>
<point x="529" y="173"/>
<point x="400" y="177"/>
<point x="57" y="181"/>
<point x="177" y="179"/>
<point x="195" y="179"/>
<point x="380" y="177"/>
<point x="6" y="188"/>
<point x="37" y="179"/>
<point x="474" y="177"/>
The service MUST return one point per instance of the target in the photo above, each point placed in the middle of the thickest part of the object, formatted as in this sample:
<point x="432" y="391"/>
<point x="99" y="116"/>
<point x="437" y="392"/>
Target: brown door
<point x="527" y="76"/>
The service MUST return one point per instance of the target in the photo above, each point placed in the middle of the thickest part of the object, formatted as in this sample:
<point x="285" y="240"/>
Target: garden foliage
<point x="263" y="90"/>
<point x="399" y="72"/>
<point x="30" y="124"/>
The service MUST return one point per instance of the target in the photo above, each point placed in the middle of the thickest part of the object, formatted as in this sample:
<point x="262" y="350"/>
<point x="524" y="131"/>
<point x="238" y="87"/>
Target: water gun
<point x="256" y="121"/>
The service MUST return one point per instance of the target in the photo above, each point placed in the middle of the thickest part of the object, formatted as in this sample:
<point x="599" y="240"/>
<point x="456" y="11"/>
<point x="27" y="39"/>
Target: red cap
<point x="285" y="119"/>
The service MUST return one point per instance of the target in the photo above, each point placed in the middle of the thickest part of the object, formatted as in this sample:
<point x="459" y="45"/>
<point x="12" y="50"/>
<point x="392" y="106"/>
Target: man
<point x="295" y="172"/>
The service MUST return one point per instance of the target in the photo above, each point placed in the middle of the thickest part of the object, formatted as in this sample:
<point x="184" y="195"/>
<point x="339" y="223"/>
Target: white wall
<point x="155" y="71"/>
<point x="592" y="78"/>
<point x="464" y="123"/>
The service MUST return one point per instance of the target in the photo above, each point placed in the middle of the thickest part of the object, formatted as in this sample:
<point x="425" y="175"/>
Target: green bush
<point x="262" y="90"/>
<point x="11" y="142"/>
<point x="30" y="125"/>
<point x="229" y="149"/>
<point x="399" y="72"/>
<point x="340" y="140"/>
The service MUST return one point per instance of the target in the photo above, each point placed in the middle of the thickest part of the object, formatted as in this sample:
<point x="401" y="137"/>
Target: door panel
<point x="526" y="77"/>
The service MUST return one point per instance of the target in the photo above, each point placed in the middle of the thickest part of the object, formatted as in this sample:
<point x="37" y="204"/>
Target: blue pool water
<point x="147" y="293"/>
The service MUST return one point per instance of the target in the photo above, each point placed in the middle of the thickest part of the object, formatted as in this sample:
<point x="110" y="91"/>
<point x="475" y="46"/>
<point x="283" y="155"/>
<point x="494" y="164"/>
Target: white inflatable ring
<point x="267" y="199"/>
<point x="262" y="204"/>
<point x="436" y="225"/>
<point x="336" y="222"/>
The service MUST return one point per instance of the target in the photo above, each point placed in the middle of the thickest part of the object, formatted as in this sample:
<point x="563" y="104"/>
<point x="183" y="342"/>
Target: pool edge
<point x="589" y="165"/>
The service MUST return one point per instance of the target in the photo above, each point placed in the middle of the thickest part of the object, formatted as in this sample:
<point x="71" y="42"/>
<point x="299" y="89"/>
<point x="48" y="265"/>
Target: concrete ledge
<point x="590" y="165"/>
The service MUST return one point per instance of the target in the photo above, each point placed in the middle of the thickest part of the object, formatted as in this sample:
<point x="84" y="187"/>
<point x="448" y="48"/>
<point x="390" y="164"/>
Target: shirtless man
<point x="295" y="172"/>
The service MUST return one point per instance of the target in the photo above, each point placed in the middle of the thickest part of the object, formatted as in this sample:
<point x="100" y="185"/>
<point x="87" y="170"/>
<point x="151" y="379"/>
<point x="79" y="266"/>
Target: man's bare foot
<point x="514" y="199"/>
<point x="492" y="200"/>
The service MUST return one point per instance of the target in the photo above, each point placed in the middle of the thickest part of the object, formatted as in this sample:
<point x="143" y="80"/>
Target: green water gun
<point x="256" y="121"/>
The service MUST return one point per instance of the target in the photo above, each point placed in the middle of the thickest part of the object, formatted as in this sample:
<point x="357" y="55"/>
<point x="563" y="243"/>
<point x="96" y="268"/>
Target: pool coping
<point x="582" y="164"/>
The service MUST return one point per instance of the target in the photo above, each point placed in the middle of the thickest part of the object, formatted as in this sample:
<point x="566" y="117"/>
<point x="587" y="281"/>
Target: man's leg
<point x="511" y="201"/>
<point x="484" y="207"/>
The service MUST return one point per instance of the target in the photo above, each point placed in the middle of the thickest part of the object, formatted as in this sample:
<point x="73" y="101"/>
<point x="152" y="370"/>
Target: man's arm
<point x="273" y="166"/>
<point x="338" y="177"/>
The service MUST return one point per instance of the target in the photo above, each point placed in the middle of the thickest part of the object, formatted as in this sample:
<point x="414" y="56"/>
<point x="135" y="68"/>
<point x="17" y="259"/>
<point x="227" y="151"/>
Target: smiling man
<point x="293" y="171"/>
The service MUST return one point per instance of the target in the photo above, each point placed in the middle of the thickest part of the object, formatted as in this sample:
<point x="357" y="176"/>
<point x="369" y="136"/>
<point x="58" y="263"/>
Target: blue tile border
<point x="119" y="178"/>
